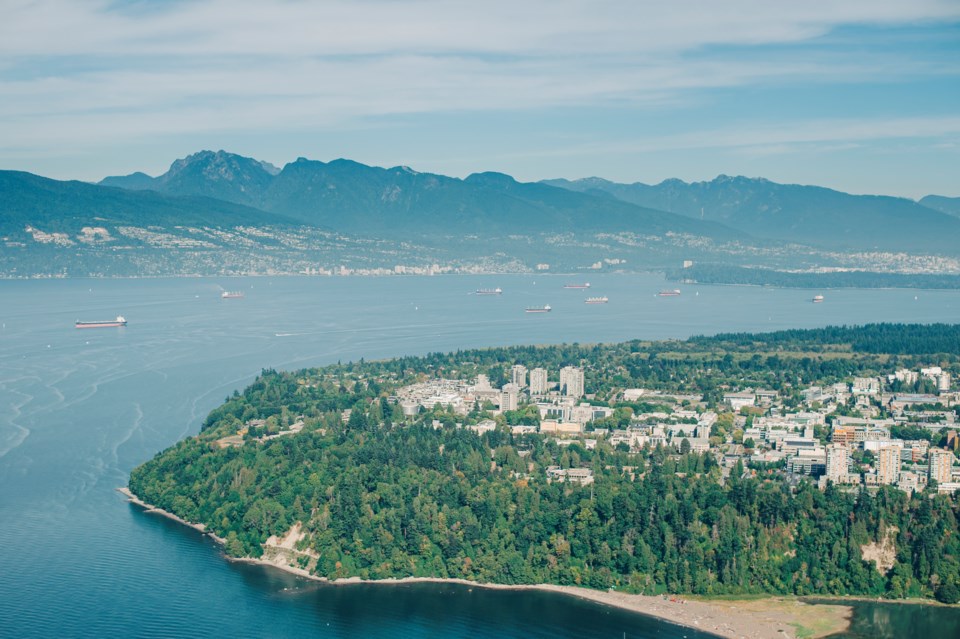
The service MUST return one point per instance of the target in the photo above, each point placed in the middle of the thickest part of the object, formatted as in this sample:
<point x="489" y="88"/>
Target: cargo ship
<point x="596" y="300"/>
<point x="120" y="321"/>
<point x="584" y="285"/>
<point x="817" y="299"/>
<point x="231" y="295"/>
<point x="539" y="309"/>
<point x="489" y="291"/>
<point x="669" y="293"/>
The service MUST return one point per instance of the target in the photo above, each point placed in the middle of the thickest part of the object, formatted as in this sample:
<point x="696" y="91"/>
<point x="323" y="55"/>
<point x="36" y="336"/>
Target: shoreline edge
<point x="774" y="617"/>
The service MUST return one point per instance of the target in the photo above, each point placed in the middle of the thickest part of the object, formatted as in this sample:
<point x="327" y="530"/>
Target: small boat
<point x="669" y="293"/>
<point x="489" y="291"/>
<point x="231" y="295"/>
<point x="596" y="300"/>
<point x="817" y="299"/>
<point x="539" y="309"/>
<point x="584" y="285"/>
<point x="120" y="321"/>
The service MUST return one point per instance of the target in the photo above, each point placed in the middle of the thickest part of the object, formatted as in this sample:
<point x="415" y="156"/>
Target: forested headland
<point x="379" y="494"/>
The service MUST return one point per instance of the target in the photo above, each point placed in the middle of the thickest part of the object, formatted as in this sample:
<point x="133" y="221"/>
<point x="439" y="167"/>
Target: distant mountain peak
<point x="137" y="181"/>
<point x="491" y="178"/>
<point x="735" y="179"/>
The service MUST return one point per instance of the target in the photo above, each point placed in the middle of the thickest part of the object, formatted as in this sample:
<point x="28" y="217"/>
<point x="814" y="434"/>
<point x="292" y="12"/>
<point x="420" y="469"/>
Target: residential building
<point x="953" y="442"/>
<point x="866" y="386"/>
<point x="943" y="382"/>
<point x="888" y="465"/>
<point x="909" y="482"/>
<point x="571" y="381"/>
<point x="941" y="465"/>
<point x="538" y="381"/>
<point x="518" y="375"/>
<point x="838" y="463"/>
<point x="509" y="397"/>
<point x="906" y="376"/>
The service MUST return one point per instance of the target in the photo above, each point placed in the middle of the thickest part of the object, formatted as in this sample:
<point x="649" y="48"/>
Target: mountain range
<point x="318" y="216"/>
<point x="948" y="205"/>
<point x="810" y="215"/>
<point x="68" y="206"/>
<point x="355" y="198"/>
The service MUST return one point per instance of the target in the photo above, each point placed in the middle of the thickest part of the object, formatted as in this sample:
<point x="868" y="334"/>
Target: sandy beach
<point x="766" y="618"/>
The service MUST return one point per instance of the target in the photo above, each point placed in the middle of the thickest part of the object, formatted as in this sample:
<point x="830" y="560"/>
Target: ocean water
<point x="80" y="408"/>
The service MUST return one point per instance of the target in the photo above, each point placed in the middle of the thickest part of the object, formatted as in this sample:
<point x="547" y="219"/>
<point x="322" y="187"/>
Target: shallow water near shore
<point x="80" y="408"/>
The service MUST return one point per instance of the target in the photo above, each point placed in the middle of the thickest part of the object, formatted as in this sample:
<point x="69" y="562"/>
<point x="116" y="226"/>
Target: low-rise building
<point x="808" y="462"/>
<point x="740" y="400"/>
<point x="552" y="426"/>
<point x="582" y="476"/>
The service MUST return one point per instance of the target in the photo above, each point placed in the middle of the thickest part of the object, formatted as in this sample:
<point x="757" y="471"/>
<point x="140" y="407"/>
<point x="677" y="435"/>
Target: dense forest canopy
<point x="379" y="494"/>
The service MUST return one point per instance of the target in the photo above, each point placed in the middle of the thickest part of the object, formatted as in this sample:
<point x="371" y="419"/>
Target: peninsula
<point x="639" y="474"/>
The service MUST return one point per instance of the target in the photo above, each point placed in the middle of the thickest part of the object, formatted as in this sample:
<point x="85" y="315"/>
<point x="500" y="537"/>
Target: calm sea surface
<point x="80" y="408"/>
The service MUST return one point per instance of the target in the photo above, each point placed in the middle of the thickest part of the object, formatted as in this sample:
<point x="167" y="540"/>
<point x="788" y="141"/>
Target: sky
<point x="858" y="95"/>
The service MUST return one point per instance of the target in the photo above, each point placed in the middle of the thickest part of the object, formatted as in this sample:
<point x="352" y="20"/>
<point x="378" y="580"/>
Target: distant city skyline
<point x="860" y="96"/>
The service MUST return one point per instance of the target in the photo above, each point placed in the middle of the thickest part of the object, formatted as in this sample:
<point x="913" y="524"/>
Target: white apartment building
<point x="509" y="397"/>
<point x="888" y="465"/>
<point x="571" y="381"/>
<point x="838" y="463"/>
<point x="941" y="465"/>
<point x="538" y="381"/>
<point x="518" y="375"/>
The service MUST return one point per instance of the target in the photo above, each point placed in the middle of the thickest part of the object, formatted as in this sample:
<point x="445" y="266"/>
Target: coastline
<point x="772" y="617"/>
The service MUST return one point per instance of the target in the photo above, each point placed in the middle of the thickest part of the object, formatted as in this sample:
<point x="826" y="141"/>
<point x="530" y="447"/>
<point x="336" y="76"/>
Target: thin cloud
<point x="83" y="76"/>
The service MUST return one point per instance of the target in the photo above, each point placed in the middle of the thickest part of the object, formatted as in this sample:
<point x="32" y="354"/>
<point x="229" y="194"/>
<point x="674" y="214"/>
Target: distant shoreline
<point x="768" y="618"/>
<point x="666" y="273"/>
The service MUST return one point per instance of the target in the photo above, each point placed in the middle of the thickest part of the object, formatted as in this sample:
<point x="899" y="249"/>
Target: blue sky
<point x="858" y="95"/>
